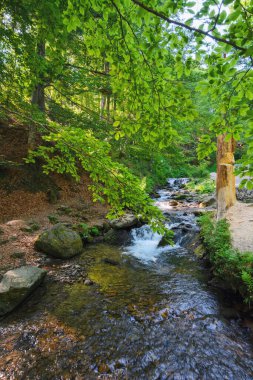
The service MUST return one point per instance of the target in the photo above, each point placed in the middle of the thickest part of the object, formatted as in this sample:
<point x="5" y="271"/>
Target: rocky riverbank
<point x="18" y="236"/>
<point x="147" y="310"/>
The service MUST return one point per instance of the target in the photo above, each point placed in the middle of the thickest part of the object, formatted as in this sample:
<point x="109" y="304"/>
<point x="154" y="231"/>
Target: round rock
<point x="17" y="284"/>
<point x="126" y="221"/>
<point x="60" y="242"/>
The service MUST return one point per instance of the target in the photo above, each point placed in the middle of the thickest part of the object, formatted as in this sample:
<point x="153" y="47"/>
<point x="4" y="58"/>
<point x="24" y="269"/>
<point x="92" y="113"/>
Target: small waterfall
<point x="177" y="183"/>
<point x="145" y="244"/>
<point x="164" y="194"/>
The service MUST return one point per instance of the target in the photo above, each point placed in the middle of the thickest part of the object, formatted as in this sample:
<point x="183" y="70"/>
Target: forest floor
<point x="31" y="201"/>
<point x="240" y="217"/>
<point x="17" y="236"/>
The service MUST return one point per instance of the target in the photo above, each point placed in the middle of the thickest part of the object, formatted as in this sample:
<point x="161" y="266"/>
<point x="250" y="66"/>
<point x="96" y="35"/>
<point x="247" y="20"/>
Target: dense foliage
<point x="202" y="185"/>
<point x="229" y="265"/>
<point x="104" y="83"/>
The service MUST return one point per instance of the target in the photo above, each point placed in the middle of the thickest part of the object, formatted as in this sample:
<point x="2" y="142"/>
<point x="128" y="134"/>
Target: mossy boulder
<point x="126" y="221"/>
<point x="60" y="241"/>
<point x="117" y="237"/>
<point x="164" y="241"/>
<point x="180" y="197"/>
<point x="31" y="227"/>
<point x="17" y="284"/>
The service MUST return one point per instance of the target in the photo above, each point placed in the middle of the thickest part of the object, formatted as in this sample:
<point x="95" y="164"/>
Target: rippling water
<point x="152" y="316"/>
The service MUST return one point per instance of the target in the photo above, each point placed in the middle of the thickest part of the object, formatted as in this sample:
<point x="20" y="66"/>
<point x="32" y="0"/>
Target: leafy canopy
<point x="117" y="69"/>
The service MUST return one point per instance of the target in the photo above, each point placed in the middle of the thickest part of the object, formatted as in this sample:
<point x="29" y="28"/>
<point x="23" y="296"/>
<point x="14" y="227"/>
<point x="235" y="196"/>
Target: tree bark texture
<point x="225" y="180"/>
<point x="38" y="99"/>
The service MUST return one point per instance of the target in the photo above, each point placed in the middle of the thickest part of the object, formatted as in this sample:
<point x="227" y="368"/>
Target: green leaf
<point x="234" y="15"/>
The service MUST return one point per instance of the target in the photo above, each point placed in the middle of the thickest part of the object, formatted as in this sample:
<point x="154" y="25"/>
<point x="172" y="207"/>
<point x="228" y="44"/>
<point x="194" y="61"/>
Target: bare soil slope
<point x="28" y="197"/>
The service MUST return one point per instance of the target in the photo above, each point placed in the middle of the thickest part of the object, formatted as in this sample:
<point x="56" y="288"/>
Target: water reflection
<point x="151" y="315"/>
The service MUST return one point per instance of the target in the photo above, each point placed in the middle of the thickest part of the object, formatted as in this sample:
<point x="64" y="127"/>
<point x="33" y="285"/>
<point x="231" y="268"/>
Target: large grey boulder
<point x="17" y="284"/>
<point x="244" y="195"/>
<point x="126" y="221"/>
<point x="209" y="200"/>
<point x="60" y="242"/>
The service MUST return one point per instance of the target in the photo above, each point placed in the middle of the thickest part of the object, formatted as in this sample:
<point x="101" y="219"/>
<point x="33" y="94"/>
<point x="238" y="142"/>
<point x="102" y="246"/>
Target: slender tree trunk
<point x="108" y="100"/>
<point x="105" y="98"/>
<point x="38" y="99"/>
<point x="102" y="106"/>
<point x="225" y="180"/>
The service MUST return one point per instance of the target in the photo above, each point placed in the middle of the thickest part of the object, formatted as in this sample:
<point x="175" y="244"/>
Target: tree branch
<point x="188" y="27"/>
<point x="85" y="69"/>
<point x="216" y="18"/>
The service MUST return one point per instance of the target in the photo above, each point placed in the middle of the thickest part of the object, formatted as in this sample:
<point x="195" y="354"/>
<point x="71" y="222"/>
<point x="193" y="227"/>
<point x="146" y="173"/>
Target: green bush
<point x="94" y="231"/>
<point x="229" y="264"/>
<point x="83" y="230"/>
<point x="87" y="233"/>
<point x="155" y="167"/>
<point x="201" y="186"/>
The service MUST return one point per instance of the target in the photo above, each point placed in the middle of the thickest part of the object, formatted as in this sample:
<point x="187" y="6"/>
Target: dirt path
<point x="240" y="217"/>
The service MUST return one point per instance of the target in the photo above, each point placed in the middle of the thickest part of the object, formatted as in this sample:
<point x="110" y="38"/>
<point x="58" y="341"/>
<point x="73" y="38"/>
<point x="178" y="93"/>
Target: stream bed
<point x="149" y="314"/>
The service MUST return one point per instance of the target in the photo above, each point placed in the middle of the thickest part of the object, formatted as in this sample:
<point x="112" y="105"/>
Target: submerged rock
<point x="126" y="221"/>
<point x="109" y="261"/>
<point x="17" y="284"/>
<point x="181" y="196"/>
<point x="173" y="203"/>
<point x="60" y="242"/>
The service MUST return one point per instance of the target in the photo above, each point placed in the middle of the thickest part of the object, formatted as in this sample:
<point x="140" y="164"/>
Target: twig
<point x="188" y="27"/>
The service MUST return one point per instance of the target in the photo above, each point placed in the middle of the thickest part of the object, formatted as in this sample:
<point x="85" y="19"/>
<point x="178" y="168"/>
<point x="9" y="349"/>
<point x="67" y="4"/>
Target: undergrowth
<point x="155" y="168"/>
<point x="87" y="233"/>
<point x="229" y="264"/>
<point x="201" y="186"/>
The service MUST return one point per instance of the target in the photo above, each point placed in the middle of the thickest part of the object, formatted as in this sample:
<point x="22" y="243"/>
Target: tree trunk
<point x="38" y="99"/>
<point x="225" y="180"/>
<point x="102" y="106"/>
<point x="108" y="100"/>
<point x="105" y="98"/>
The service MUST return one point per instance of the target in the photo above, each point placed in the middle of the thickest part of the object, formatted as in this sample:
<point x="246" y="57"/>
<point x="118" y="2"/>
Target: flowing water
<point x="150" y="315"/>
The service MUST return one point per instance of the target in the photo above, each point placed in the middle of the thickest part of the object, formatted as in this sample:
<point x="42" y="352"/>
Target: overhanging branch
<point x="188" y="27"/>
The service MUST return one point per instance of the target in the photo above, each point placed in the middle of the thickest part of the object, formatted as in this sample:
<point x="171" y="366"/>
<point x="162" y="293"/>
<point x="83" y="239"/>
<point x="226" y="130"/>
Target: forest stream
<point x="150" y="314"/>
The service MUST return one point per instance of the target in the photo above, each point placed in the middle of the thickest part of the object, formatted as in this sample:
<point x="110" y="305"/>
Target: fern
<point x="232" y="266"/>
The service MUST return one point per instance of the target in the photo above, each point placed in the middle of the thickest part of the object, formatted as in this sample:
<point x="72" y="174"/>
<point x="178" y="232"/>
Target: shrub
<point x="229" y="264"/>
<point x="94" y="231"/>
<point x="87" y="233"/>
<point x="202" y="186"/>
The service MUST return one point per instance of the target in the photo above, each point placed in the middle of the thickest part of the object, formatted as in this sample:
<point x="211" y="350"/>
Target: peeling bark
<point x="225" y="180"/>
